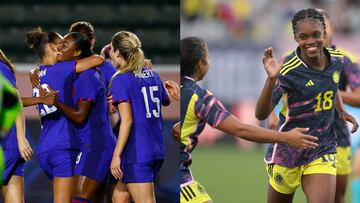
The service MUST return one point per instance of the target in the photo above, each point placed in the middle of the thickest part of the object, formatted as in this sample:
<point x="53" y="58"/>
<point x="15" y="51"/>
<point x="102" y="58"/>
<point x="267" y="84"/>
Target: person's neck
<point x="48" y="61"/>
<point x="318" y="63"/>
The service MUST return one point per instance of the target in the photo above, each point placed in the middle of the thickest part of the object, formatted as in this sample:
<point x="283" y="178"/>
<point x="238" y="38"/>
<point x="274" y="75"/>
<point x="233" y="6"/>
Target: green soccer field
<point x="231" y="175"/>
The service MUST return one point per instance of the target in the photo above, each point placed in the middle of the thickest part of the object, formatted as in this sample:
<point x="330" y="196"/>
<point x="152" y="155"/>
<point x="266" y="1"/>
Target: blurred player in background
<point x="138" y="94"/>
<point x="59" y="145"/>
<point x="308" y="83"/>
<point x="199" y="106"/>
<point x="16" y="147"/>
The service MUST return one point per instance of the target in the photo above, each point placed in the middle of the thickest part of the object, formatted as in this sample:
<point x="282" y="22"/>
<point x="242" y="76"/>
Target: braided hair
<point x="307" y="13"/>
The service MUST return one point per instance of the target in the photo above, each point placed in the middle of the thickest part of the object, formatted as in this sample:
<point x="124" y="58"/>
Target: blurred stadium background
<point x="155" y="22"/>
<point x="237" y="32"/>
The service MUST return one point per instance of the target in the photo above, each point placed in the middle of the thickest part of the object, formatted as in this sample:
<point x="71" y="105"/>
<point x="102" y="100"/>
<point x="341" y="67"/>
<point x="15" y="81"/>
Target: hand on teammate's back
<point x="48" y="97"/>
<point x="272" y="67"/>
<point x="297" y="138"/>
<point x="34" y="77"/>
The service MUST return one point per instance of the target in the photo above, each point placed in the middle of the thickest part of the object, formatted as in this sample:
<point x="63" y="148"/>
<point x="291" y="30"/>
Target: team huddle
<point x="101" y="138"/>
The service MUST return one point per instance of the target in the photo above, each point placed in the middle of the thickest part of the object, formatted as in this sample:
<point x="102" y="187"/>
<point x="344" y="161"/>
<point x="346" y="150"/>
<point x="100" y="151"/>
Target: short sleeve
<point x="120" y="90"/>
<point x="68" y="69"/>
<point x="352" y="73"/>
<point x="210" y="109"/>
<point x="85" y="87"/>
<point x="8" y="74"/>
<point x="281" y="87"/>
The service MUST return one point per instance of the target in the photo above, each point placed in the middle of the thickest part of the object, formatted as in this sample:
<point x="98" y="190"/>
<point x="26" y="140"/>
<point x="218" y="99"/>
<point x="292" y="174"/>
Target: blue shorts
<point x="58" y="163"/>
<point x="94" y="165"/>
<point x="14" y="164"/>
<point x="141" y="172"/>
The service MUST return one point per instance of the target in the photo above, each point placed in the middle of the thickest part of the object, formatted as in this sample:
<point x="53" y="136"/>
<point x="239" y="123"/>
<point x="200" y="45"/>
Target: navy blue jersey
<point x="198" y="107"/>
<point x="95" y="133"/>
<point x="145" y="93"/>
<point x="309" y="98"/>
<point x="57" y="132"/>
<point x="107" y="71"/>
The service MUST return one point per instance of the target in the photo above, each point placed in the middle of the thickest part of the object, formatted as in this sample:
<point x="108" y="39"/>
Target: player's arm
<point x="352" y="98"/>
<point x="294" y="138"/>
<point x="176" y="131"/>
<point x="124" y="109"/>
<point x="273" y="121"/>
<point x="48" y="98"/>
<point x="339" y="106"/>
<point x="88" y="63"/>
<point x="264" y="105"/>
<point x="79" y="114"/>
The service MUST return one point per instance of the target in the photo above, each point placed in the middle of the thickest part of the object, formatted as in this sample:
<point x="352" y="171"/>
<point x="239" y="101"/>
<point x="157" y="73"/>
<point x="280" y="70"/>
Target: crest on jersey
<point x="336" y="76"/>
<point x="278" y="178"/>
<point x="201" y="190"/>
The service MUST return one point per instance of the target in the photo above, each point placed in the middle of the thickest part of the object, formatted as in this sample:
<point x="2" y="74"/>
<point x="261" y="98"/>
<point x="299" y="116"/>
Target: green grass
<point x="231" y="175"/>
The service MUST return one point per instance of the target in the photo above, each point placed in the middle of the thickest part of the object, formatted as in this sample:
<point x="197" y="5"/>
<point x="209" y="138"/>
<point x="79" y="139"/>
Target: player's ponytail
<point x="129" y="47"/>
<point x="37" y="39"/>
<point x="192" y="50"/>
<point x="7" y="61"/>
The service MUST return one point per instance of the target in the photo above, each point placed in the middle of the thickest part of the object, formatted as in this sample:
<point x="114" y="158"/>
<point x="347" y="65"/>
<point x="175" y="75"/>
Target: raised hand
<point x="34" y="77"/>
<point x="272" y="67"/>
<point x="173" y="89"/>
<point x="297" y="138"/>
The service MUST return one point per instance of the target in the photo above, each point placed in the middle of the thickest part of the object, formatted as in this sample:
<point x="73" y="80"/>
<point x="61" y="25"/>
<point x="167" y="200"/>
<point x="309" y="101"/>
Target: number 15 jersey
<point x="145" y="93"/>
<point x="309" y="100"/>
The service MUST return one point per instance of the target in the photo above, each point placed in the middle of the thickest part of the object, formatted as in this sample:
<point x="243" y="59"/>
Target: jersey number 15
<point x="154" y="99"/>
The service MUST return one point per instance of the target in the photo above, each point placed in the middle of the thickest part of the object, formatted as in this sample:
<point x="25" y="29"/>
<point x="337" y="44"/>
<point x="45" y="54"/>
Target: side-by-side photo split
<point x="179" y="101"/>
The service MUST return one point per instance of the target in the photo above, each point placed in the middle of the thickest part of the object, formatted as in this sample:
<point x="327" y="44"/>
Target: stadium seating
<point x="157" y="25"/>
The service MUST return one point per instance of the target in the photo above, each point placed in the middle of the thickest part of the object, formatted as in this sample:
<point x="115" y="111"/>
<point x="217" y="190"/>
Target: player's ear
<point x="77" y="53"/>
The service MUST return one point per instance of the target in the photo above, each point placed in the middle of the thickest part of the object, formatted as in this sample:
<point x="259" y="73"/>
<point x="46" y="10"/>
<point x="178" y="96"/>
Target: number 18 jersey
<point x="145" y="93"/>
<point x="309" y="98"/>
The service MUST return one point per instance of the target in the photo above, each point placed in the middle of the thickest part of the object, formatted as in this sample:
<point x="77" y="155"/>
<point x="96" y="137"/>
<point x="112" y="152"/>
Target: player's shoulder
<point x="335" y="53"/>
<point x="347" y="55"/>
<point x="291" y="62"/>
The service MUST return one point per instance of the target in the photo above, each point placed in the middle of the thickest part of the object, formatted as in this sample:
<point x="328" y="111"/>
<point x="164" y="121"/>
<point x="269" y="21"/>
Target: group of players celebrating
<point x="101" y="137"/>
<point x="307" y="80"/>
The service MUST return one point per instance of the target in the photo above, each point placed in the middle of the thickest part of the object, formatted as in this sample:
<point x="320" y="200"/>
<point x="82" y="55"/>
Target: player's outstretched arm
<point x="264" y="104"/>
<point x="89" y="62"/>
<point x="352" y="98"/>
<point x="294" y="138"/>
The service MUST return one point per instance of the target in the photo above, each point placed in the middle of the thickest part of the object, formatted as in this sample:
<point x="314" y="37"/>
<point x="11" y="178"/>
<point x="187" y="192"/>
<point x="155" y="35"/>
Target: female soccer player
<point x="97" y="141"/>
<point x="16" y="147"/>
<point x="308" y="82"/>
<point x="138" y="93"/>
<point x="349" y="77"/>
<point x="199" y="106"/>
<point x="59" y="145"/>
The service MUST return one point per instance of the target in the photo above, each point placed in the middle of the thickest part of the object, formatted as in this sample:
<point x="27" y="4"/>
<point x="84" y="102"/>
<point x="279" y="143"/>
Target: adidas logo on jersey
<point x="310" y="83"/>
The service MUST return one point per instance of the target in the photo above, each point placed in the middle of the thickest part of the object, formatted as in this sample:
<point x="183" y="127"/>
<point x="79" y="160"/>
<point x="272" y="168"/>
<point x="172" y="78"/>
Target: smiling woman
<point x="308" y="81"/>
